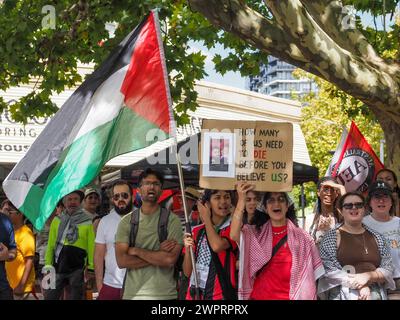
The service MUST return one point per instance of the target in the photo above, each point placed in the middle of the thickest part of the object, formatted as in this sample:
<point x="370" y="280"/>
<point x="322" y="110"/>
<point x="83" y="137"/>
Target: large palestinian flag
<point x="123" y="106"/>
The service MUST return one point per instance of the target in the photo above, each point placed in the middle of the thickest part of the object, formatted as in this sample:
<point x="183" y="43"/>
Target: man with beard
<point x="150" y="264"/>
<point x="109" y="278"/>
<point x="70" y="248"/>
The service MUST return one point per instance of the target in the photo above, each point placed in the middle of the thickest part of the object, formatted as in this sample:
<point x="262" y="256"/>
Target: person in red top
<point x="278" y="260"/>
<point x="215" y="252"/>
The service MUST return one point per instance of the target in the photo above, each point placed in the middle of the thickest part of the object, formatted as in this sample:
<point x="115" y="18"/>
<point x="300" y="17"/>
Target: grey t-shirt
<point x="391" y="231"/>
<point x="151" y="282"/>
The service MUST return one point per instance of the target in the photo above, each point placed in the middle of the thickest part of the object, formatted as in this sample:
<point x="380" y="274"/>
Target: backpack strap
<point x="163" y="224"/>
<point x="134" y="227"/>
<point x="223" y="274"/>
<point x="274" y="251"/>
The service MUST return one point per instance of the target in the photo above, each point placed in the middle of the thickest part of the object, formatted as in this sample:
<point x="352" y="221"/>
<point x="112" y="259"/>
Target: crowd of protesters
<point x="239" y="244"/>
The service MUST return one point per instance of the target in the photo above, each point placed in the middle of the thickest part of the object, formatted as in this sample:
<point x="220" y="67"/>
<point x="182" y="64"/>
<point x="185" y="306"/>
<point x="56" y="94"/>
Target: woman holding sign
<point x="215" y="253"/>
<point x="278" y="260"/>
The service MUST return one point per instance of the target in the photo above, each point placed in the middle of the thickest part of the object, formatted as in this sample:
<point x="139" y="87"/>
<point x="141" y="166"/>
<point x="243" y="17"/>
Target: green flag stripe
<point x="82" y="161"/>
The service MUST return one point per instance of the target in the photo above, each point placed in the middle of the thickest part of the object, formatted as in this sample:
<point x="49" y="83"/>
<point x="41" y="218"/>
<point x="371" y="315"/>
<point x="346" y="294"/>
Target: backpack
<point x="162" y="234"/>
<point x="162" y="226"/>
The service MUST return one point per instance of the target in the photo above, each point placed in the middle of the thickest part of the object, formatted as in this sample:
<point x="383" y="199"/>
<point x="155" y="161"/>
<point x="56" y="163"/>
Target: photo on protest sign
<point x="218" y="154"/>
<point x="260" y="152"/>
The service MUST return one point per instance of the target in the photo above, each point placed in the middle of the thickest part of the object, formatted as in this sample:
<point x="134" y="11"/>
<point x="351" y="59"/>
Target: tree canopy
<point x="45" y="40"/>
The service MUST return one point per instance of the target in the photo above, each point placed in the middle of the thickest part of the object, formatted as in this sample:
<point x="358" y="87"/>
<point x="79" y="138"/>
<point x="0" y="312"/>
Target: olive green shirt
<point x="151" y="282"/>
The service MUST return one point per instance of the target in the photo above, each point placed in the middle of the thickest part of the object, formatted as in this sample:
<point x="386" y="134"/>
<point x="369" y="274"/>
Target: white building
<point x="216" y="102"/>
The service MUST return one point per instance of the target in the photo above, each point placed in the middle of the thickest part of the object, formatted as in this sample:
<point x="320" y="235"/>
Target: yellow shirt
<point x="25" y="241"/>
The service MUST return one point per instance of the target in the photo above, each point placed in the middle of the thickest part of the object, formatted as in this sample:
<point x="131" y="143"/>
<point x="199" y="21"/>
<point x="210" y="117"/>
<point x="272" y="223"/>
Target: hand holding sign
<point x="242" y="189"/>
<point x="260" y="153"/>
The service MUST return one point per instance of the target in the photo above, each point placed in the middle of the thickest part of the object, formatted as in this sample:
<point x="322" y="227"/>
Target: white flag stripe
<point x="105" y="104"/>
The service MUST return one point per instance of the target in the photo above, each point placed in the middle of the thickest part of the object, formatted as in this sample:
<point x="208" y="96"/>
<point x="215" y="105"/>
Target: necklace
<point x="278" y="233"/>
<point x="363" y="237"/>
<point x="365" y="247"/>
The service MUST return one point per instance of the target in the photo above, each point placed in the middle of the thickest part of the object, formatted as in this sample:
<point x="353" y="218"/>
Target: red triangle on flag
<point x="145" y="86"/>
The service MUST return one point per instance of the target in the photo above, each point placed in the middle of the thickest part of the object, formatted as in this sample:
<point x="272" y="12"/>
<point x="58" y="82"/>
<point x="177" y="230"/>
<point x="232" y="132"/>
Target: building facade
<point x="276" y="79"/>
<point x="215" y="101"/>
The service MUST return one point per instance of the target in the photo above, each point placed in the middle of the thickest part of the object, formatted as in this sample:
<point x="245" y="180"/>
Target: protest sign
<point x="259" y="152"/>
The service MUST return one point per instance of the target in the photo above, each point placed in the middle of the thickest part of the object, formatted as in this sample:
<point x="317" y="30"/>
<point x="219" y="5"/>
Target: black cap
<point x="379" y="187"/>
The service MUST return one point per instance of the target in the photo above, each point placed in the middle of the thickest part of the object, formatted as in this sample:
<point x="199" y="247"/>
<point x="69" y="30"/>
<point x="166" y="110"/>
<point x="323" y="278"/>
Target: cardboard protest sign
<point x="259" y="152"/>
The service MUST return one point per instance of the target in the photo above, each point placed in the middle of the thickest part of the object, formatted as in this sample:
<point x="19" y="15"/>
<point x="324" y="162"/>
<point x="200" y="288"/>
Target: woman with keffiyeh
<point x="278" y="260"/>
<point x="215" y="252"/>
<point x="357" y="259"/>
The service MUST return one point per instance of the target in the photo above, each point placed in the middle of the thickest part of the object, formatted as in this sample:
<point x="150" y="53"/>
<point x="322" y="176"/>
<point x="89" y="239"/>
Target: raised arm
<point x="217" y="243"/>
<point x="237" y="218"/>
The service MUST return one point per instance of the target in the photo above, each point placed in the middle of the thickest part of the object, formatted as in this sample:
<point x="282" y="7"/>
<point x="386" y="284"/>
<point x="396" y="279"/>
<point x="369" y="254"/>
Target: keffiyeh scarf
<point x="256" y="250"/>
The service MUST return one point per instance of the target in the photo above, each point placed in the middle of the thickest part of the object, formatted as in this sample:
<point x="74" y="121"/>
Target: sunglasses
<point x="122" y="195"/>
<point x="357" y="205"/>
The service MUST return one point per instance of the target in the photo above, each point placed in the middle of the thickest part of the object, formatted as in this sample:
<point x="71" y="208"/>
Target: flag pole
<point x="188" y="228"/>
<point x="178" y="160"/>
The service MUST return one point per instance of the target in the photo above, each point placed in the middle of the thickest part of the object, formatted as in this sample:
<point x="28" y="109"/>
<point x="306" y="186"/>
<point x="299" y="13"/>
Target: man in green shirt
<point x="70" y="248"/>
<point x="150" y="265"/>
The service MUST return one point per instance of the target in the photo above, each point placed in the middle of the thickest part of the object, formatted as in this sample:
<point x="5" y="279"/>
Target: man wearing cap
<point x="91" y="203"/>
<point x="70" y="247"/>
<point x="191" y="196"/>
<point x="381" y="204"/>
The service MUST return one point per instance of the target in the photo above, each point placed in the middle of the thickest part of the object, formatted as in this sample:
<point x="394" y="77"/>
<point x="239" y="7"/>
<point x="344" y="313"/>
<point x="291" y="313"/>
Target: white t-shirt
<point x="391" y="231"/>
<point x="113" y="275"/>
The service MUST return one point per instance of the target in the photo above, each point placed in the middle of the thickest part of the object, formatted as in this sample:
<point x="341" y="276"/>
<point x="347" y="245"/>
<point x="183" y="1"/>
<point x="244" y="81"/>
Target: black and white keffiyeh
<point x="335" y="275"/>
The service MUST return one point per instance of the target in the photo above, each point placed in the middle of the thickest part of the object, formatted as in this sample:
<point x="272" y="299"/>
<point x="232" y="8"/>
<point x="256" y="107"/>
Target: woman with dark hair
<point x="390" y="178"/>
<point x="215" y="252"/>
<point x="252" y="200"/>
<point x="381" y="219"/>
<point x="326" y="215"/>
<point x="356" y="259"/>
<point x="278" y="260"/>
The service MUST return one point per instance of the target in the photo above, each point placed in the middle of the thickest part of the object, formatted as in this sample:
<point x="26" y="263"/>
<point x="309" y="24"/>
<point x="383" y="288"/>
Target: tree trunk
<point x="391" y="130"/>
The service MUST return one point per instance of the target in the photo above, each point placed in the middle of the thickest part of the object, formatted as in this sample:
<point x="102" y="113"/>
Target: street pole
<point x="303" y="216"/>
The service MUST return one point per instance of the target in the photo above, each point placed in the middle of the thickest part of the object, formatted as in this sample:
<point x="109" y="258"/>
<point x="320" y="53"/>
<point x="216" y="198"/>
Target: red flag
<point x="358" y="164"/>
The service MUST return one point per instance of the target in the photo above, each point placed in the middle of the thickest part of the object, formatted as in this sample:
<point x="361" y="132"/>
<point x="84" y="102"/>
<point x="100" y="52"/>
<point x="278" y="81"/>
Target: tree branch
<point x="343" y="68"/>
<point x="296" y="38"/>
<point x="330" y="13"/>
<point x="236" y="17"/>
